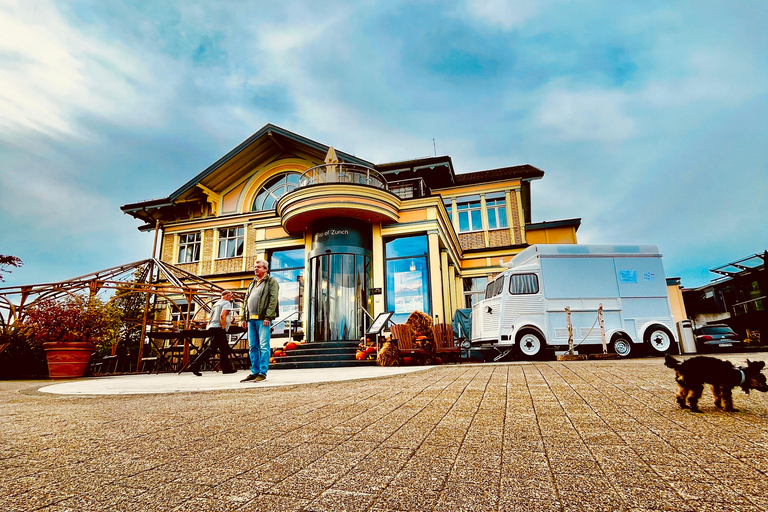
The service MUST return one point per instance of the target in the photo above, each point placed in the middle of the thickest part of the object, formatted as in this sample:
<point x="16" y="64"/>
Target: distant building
<point x="345" y="236"/>
<point x="737" y="299"/>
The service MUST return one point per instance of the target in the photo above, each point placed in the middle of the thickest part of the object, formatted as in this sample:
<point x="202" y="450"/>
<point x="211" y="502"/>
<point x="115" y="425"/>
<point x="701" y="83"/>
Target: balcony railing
<point x="409" y="188"/>
<point x="342" y="173"/>
<point x="748" y="306"/>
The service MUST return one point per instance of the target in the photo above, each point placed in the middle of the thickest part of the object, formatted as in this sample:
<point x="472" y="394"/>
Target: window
<point x="287" y="267"/>
<point x="474" y="290"/>
<point x="470" y="214"/>
<point x="407" y="277"/>
<point x="523" y="284"/>
<point x="273" y="190"/>
<point x="497" y="210"/>
<point x="230" y="242"/>
<point x="494" y="288"/>
<point x="179" y="316"/>
<point x="189" y="248"/>
<point x="449" y="208"/>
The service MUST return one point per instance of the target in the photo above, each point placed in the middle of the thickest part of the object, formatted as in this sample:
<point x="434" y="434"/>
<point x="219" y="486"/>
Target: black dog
<point x="691" y="375"/>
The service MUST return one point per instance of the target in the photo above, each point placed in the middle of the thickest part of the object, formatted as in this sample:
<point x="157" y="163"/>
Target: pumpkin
<point x="370" y="350"/>
<point x="290" y="345"/>
<point x="272" y="360"/>
<point x="406" y="360"/>
<point x="360" y="355"/>
<point x="278" y="353"/>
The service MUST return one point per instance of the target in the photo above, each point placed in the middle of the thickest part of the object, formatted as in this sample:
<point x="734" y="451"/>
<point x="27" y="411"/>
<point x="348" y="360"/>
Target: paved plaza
<point x="551" y="436"/>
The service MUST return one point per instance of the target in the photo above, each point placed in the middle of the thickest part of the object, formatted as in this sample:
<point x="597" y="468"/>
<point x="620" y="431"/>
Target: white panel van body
<point x="524" y="307"/>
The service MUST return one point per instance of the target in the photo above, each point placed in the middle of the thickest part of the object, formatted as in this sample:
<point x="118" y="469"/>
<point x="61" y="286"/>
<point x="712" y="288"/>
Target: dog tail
<point x="671" y="362"/>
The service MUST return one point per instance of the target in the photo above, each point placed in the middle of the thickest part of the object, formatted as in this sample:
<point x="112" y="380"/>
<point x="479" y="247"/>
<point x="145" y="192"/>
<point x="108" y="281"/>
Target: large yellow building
<point x="346" y="238"/>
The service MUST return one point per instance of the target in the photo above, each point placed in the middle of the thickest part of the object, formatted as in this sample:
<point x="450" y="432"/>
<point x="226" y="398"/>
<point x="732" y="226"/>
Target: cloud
<point x="585" y="115"/>
<point x="54" y="74"/>
<point x="504" y="14"/>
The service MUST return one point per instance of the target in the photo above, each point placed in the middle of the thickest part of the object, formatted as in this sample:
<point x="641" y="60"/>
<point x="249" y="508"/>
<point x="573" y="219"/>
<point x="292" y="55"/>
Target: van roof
<point x="555" y="250"/>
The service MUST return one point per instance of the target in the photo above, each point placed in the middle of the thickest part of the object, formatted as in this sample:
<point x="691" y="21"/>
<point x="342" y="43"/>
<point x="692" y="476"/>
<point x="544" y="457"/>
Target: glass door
<point x="339" y="285"/>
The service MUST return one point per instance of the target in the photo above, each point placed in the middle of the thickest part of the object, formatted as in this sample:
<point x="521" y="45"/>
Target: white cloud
<point x="587" y="115"/>
<point x="505" y="14"/>
<point x="55" y="201"/>
<point x="53" y="74"/>
<point x="726" y="77"/>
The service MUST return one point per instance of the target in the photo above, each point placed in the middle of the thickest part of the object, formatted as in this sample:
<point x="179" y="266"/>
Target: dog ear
<point x="757" y="365"/>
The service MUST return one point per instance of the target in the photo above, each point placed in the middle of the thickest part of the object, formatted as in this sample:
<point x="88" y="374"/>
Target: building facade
<point x="737" y="298"/>
<point x="346" y="238"/>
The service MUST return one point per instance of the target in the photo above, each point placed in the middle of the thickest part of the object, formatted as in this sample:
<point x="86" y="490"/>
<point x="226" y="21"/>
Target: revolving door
<point x="339" y="288"/>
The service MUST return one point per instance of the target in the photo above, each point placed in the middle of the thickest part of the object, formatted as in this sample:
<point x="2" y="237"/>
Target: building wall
<point x="453" y="256"/>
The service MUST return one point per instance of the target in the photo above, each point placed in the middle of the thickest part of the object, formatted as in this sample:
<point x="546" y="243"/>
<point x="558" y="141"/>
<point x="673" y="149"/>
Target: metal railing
<point x="747" y="306"/>
<point x="342" y="173"/>
<point x="409" y="188"/>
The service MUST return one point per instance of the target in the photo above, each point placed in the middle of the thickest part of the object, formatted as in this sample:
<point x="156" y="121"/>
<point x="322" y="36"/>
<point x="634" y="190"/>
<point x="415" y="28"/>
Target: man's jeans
<point x="258" y="341"/>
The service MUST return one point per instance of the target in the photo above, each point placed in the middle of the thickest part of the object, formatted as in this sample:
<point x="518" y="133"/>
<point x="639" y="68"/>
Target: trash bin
<point x="686" y="337"/>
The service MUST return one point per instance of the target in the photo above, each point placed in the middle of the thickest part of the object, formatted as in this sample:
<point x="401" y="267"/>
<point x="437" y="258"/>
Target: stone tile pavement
<point x="551" y="436"/>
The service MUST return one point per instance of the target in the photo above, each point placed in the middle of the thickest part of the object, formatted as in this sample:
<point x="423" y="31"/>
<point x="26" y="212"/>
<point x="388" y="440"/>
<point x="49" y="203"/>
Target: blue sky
<point x="649" y="119"/>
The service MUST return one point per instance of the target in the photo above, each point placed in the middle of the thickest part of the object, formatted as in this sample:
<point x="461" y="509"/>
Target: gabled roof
<point x="269" y="143"/>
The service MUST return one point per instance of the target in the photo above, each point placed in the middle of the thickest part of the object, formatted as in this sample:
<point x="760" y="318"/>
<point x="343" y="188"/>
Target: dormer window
<point x="273" y="190"/>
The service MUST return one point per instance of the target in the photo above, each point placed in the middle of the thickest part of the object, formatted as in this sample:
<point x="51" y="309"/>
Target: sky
<point x="649" y="119"/>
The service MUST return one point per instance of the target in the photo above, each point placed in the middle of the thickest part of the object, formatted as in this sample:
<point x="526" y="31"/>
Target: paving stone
<point x="585" y="435"/>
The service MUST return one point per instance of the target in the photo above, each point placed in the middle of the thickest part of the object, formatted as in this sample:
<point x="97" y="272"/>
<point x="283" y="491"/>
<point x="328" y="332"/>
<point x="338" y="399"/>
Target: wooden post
<point x="150" y="275"/>
<point x="602" y="327"/>
<point x="570" y="329"/>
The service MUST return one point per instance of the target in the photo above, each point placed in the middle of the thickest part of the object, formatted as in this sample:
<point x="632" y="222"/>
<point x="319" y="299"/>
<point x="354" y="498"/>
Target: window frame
<point x="465" y="207"/>
<point x="513" y="280"/>
<point x="272" y="189"/>
<point x="227" y="240"/>
<point x="418" y="260"/>
<point x="184" y="246"/>
<point x="494" y="205"/>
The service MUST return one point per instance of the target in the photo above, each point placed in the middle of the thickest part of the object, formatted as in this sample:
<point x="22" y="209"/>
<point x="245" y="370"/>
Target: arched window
<point x="273" y="190"/>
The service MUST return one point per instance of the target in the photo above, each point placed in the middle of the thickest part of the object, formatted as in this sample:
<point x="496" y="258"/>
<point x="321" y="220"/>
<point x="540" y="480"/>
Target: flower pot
<point x="67" y="360"/>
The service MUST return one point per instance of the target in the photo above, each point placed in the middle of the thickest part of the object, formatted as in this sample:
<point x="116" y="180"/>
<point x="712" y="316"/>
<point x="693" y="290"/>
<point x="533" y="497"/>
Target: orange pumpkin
<point x="272" y="360"/>
<point x="290" y="345"/>
<point x="406" y="360"/>
<point x="370" y="350"/>
<point x="360" y="355"/>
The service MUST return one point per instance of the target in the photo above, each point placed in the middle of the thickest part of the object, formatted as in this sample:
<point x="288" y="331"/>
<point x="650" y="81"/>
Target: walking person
<point x="217" y="328"/>
<point x="259" y="309"/>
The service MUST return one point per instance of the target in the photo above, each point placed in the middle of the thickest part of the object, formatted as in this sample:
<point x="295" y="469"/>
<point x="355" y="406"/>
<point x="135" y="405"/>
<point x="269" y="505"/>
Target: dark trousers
<point x="219" y="342"/>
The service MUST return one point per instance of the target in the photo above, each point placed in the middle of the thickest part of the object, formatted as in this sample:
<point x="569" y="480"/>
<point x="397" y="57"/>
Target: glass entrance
<point x="339" y="287"/>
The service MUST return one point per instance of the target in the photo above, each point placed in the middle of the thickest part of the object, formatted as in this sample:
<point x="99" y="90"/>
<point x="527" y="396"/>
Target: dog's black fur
<point x="691" y="375"/>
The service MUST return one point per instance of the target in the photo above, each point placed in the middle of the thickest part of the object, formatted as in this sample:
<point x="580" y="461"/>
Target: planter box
<point x="67" y="360"/>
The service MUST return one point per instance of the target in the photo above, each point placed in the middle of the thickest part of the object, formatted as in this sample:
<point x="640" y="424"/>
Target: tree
<point x="6" y="261"/>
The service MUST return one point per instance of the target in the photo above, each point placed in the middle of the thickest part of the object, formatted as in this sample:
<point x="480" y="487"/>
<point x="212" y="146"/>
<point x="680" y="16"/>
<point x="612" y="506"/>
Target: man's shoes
<point x="196" y="372"/>
<point x="260" y="377"/>
<point x="229" y="371"/>
<point x="249" y="378"/>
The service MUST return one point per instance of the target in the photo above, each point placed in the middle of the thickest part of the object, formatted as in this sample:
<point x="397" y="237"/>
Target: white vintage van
<point x="524" y="307"/>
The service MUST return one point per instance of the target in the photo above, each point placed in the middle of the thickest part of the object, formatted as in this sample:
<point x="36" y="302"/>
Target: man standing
<point x="259" y="309"/>
<point x="217" y="328"/>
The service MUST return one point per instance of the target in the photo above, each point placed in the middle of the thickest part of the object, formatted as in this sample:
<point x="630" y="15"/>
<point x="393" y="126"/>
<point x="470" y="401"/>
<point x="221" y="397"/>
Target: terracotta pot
<point x="67" y="360"/>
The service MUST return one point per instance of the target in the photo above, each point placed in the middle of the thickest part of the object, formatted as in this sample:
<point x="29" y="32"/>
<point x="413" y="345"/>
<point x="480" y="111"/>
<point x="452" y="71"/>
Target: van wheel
<point x="529" y="344"/>
<point x="659" y="339"/>
<point x="622" y="346"/>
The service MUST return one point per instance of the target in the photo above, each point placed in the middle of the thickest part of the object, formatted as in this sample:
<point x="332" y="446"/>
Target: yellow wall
<point x="676" y="302"/>
<point x="559" y="235"/>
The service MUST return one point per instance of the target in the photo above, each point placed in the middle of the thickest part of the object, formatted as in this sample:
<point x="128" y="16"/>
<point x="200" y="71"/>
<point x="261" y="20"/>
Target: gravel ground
<point x="560" y="436"/>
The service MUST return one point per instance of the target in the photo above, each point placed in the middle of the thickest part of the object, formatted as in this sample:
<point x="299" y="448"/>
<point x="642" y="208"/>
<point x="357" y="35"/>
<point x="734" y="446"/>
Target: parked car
<point x="710" y="338"/>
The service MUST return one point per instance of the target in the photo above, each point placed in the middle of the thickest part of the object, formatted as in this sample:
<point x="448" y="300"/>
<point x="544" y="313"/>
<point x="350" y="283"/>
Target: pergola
<point x="146" y="281"/>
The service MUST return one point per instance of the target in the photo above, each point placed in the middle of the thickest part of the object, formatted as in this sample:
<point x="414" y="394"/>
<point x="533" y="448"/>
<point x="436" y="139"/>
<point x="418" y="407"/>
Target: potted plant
<point x="70" y="330"/>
